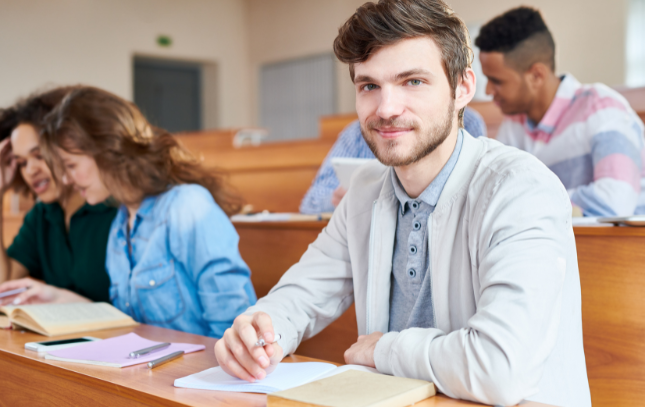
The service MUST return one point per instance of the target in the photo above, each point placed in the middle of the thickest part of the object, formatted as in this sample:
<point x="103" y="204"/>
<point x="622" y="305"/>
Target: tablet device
<point x="344" y="168"/>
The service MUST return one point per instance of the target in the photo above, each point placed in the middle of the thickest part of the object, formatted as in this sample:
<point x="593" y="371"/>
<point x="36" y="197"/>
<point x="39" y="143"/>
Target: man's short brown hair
<point x="376" y="25"/>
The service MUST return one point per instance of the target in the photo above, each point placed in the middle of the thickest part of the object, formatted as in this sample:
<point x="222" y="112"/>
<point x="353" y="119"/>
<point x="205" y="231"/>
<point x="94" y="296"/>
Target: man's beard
<point x="424" y="145"/>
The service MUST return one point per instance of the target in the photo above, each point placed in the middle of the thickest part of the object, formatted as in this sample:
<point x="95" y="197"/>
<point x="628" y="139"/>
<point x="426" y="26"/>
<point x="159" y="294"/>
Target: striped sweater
<point x="593" y="141"/>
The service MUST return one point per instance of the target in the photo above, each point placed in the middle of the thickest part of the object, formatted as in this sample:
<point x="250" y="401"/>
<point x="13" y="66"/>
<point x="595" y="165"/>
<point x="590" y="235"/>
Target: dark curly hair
<point x="30" y="110"/>
<point x="521" y="35"/>
<point x="376" y="25"/>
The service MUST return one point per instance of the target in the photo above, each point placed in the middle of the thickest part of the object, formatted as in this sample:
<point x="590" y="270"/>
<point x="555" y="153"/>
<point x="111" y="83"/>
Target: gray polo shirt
<point x="411" y="296"/>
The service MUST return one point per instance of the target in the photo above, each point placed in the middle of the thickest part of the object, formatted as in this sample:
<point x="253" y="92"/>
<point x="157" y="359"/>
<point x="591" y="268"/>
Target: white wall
<point x="589" y="34"/>
<point x="52" y="42"/>
<point x="46" y="42"/>
<point x="286" y="29"/>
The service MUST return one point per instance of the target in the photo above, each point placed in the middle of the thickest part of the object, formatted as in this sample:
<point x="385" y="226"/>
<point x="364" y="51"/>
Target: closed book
<point x="354" y="388"/>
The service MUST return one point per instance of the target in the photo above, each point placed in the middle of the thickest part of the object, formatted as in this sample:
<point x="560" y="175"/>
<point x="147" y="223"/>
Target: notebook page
<point x="285" y="376"/>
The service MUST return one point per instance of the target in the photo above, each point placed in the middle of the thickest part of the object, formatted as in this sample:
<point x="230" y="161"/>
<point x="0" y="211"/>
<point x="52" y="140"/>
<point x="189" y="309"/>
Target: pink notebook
<point x="114" y="351"/>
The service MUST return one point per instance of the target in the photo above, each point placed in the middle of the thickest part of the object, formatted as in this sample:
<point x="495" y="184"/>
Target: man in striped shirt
<point x="325" y="192"/>
<point x="588" y="135"/>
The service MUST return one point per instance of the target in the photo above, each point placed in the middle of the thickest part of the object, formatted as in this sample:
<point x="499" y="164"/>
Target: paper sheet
<point x="285" y="376"/>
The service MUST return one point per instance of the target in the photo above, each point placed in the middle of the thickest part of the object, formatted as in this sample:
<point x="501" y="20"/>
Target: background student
<point x="63" y="239"/>
<point x="172" y="252"/>
<point x="325" y="192"/>
<point x="587" y="134"/>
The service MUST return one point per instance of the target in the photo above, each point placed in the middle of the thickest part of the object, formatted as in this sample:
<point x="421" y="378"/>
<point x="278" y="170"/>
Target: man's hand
<point x="237" y="354"/>
<point x="362" y="352"/>
<point x="338" y="194"/>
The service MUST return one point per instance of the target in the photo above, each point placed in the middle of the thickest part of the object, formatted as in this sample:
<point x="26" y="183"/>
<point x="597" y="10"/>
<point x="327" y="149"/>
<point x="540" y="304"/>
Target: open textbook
<point x="62" y="319"/>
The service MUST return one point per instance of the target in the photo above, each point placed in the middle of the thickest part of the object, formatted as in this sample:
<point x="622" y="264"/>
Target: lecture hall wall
<point x="48" y="42"/>
<point x="589" y="34"/>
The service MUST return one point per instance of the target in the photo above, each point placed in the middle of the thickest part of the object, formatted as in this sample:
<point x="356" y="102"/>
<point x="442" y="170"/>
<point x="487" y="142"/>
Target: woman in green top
<point x="59" y="252"/>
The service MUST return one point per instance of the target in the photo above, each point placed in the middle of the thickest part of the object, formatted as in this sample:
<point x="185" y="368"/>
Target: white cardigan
<point x="505" y="283"/>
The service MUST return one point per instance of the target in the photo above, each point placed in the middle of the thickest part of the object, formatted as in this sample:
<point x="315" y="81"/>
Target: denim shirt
<point x="181" y="268"/>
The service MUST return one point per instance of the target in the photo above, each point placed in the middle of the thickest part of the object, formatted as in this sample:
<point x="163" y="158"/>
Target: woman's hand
<point x="37" y="293"/>
<point x="7" y="165"/>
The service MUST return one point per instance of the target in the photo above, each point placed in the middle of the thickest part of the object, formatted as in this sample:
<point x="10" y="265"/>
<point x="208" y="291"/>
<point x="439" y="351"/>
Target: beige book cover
<point x="63" y="319"/>
<point x="355" y="389"/>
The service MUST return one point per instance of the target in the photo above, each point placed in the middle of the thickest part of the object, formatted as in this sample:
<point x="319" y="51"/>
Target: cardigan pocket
<point x="159" y="294"/>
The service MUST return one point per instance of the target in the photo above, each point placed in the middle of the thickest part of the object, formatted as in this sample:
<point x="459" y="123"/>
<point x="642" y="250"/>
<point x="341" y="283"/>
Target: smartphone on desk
<point x="59" y="344"/>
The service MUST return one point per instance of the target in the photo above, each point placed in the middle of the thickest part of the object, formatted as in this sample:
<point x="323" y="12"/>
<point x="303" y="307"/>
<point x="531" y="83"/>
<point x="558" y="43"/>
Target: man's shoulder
<point x="367" y="183"/>
<point x="594" y="97"/>
<point x="499" y="162"/>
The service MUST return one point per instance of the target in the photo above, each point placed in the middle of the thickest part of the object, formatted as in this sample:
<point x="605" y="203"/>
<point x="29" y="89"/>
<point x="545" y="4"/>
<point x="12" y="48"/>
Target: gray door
<point x="169" y="93"/>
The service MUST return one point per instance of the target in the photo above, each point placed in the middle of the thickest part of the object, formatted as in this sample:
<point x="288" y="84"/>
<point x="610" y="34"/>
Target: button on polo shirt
<point x="411" y="292"/>
<point x="74" y="260"/>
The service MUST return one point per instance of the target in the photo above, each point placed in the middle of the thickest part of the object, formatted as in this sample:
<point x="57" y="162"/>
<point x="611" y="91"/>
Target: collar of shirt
<point x="563" y="98"/>
<point x="432" y="192"/>
<point x="144" y="211"/>
<point x="54" y="212"/>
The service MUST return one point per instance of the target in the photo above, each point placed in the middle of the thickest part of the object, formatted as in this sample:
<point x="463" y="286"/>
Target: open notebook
<point x="285" y="376"/>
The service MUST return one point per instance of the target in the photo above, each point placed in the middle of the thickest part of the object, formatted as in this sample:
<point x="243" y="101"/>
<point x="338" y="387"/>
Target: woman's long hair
<point x="135" y="159"/>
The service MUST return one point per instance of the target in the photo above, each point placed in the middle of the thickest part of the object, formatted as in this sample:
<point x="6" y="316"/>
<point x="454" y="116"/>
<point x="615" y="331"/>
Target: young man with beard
<point x="325" y="191"/>
<point x="458" y="252"/>
<point x="588" y="135"/>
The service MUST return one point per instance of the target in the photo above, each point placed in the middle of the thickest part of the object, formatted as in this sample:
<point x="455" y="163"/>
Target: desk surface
<point x="318" y="225"/>
<point x="28" y="379"/>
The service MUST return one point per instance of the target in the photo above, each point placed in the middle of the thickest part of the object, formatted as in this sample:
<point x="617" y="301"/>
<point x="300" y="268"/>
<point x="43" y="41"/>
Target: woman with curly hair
<point x="59" y="252"/>
<point x="172" y="252"/>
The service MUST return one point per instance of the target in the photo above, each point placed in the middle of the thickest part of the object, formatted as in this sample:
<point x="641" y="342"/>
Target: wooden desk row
<point x="611" y="261"/>
<point x="27" y="379"/>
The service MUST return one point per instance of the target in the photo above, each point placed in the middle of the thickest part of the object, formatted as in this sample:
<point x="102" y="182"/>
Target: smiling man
<point x="457" y="252"/>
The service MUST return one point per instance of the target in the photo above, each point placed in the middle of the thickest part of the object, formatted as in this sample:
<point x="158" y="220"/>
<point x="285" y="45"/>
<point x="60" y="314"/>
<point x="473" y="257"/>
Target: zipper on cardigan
<point x="370" y="271"/>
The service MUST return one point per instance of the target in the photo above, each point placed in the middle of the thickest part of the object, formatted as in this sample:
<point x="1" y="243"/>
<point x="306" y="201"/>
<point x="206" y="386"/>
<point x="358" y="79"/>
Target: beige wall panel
<point x="52" y="42"/>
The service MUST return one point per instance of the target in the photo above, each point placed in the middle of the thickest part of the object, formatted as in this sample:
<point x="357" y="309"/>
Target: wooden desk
<point x="29" y="379"/>
<point x="611" y="261"/>
<point x="612" y="277"/>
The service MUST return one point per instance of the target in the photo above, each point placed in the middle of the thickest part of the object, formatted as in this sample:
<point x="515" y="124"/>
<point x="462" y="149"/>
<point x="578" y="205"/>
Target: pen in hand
<point x="13" y="292"/>
<point x="262" y="342"/>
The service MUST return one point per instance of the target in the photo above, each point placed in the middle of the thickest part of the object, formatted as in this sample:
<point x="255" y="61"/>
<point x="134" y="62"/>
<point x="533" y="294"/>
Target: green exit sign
<point x="164" y="41"/>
